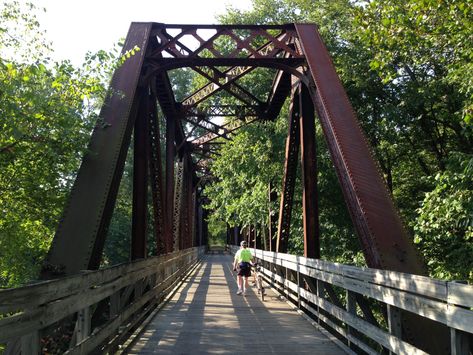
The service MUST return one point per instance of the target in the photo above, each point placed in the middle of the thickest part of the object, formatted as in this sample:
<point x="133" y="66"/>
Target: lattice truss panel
<point x="221" y="57"/>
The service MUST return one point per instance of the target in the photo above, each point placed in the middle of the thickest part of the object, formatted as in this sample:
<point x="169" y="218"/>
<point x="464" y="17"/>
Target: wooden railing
<point x="118" y="298"/>
<point x="449" y="303"/>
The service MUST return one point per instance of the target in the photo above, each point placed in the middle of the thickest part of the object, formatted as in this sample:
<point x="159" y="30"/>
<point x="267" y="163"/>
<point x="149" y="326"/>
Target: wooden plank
<point x="30" y="343"/>
<point x="110" y="327"/>
<point x="428" y="308"/>
<point x="459" y="341"/>
<point x="460" y="294"/>
<point x="84" y="318"/>
<point x="50" y="313"/>
<point x="394" y="322"/>
<point x="460" y="318"/>
<point x="217" y="320"/>
<point x="340" y="330"/>
<point x="12" y="300"/>
<point x="407" y="282"/>
<point x="387" y="340"/>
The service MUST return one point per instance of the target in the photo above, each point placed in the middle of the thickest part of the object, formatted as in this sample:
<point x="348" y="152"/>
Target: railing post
<point x="115" y="304"/>
<point x="286" y="277"/>
<point x="394" y="322"/>
<point x="139" y="286"/>
<point x="320" y="294"/>
<point x="298" y="286"/>
<point x="83" y="324"/>
<point x="351" y="308"/>
<point x="459" y="342"/>
<point x="30" y="343"/>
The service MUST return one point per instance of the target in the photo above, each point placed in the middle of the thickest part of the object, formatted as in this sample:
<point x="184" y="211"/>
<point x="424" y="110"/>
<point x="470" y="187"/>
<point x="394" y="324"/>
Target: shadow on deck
<point x="206" y="316"/>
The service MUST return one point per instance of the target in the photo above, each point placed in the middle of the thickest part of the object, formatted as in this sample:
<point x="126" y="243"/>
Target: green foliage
<point x="406" y="67"/>
<point x="47" y="111"/>
<point x="217" y="231"/>
<point x="243" y="170"/>
<point x="444" y="227"/>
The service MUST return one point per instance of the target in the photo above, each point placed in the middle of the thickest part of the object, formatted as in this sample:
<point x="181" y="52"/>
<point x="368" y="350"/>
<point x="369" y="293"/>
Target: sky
<point x="78" y="26"/>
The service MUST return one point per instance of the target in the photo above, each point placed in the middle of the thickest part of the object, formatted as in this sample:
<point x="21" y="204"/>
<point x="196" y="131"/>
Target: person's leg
<point x="240" y="281"/>
<point x="246" y="285"/>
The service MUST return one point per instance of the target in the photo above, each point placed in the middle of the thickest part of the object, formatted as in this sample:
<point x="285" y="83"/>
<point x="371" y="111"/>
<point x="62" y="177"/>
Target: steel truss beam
<point x="79" y="239"/>
<point x="292" y="51"/>
<point x="156" y="176"/>
<point x="289" y="178"/>
<point x="385" y="240"/>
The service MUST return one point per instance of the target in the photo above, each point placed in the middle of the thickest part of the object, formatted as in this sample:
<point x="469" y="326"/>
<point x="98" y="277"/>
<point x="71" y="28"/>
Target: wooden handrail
<point x="445" y="302"/>
<point x="130" y="289"/>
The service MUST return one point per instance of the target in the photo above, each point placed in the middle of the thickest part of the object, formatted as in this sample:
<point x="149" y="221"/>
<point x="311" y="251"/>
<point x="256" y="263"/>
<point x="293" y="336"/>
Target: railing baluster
<point x="83" y="324"/>
<point x="351" y="308"/>
<point x="115" y="304"/>
<point x="320" y="294"/>
<point x="30" y="343"/>
<point x="459" y="342"/>
<point x="394" y="322"/>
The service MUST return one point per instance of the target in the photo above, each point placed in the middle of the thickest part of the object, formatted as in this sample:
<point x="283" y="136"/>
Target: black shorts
<point x="244" y="269"/>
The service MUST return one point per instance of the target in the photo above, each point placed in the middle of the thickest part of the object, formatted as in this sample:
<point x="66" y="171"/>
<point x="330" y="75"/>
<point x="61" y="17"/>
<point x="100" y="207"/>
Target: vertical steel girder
<point x="177" y="205"/>
<point x="272" y="218"/>
<point x="140" y="179"/>
<point x="289" y="178"/>
<point x="93" y="195"/>
<point x="310" y="211"/>
<point x="170" y="155"/>
<point x="156" y="179"/>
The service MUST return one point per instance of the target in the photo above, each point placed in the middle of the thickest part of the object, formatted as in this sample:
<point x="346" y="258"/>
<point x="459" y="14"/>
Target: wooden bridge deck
<point x="206" y="316"/>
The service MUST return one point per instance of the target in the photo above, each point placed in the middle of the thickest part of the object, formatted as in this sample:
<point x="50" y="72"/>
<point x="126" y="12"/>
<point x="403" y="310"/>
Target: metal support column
<point x="272" y="218"/>
<point x="289" y="179"/>
<point x="310" y="210"/>
<point x="170" y="154"/>
<point x="140" y="181"/>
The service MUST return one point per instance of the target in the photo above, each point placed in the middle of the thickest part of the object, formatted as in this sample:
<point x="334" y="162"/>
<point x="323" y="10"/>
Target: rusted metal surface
<point x="272" y="217"/>
<point x="293" y="53"/>
<point x="177" y="210"/>
<point x="385" y="240"/>
<point x="140" y="179"/>
<point x="156" y="178"/>
<point x="310" y="209"/>
<point x="289" y="178"/>
<point x="79" y="239"/>
<point x="170" y="156"/>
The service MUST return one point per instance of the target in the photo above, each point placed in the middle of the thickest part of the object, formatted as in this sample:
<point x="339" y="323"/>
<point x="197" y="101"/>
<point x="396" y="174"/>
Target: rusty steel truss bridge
<point x="173" y="143"/>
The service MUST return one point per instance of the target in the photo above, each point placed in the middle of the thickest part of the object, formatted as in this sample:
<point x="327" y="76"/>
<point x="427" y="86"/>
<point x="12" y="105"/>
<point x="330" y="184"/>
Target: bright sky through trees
<point x="76" y="27"/>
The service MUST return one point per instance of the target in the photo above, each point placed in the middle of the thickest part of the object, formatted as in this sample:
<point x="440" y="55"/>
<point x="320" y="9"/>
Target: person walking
<point x="242" y="264"/>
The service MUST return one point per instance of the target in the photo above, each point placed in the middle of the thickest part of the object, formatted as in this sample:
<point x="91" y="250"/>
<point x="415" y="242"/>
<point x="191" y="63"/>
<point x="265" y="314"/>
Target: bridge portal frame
<point x="304" y="70"/>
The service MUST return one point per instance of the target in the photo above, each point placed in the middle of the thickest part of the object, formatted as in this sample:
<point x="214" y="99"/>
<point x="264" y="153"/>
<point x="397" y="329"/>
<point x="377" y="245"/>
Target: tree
<point x="47" y="111"/>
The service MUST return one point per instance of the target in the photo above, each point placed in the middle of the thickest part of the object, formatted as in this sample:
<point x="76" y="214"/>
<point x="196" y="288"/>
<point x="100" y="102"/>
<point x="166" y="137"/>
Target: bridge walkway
<point x="207" y="316"/>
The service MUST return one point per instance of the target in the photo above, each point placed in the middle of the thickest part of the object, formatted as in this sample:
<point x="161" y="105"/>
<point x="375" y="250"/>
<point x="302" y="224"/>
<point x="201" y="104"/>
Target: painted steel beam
<point x="272" y="218"/>
<point x="289" y="178"/>
<point x="310" y="210"/>
<point x="156" y="177"/>
<point x="385" y="240"/>
<point x="80" y="237"/>
<point x="170" y="160"/>
<point x="140" y="179"/>
<point x="280" y="90"/>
